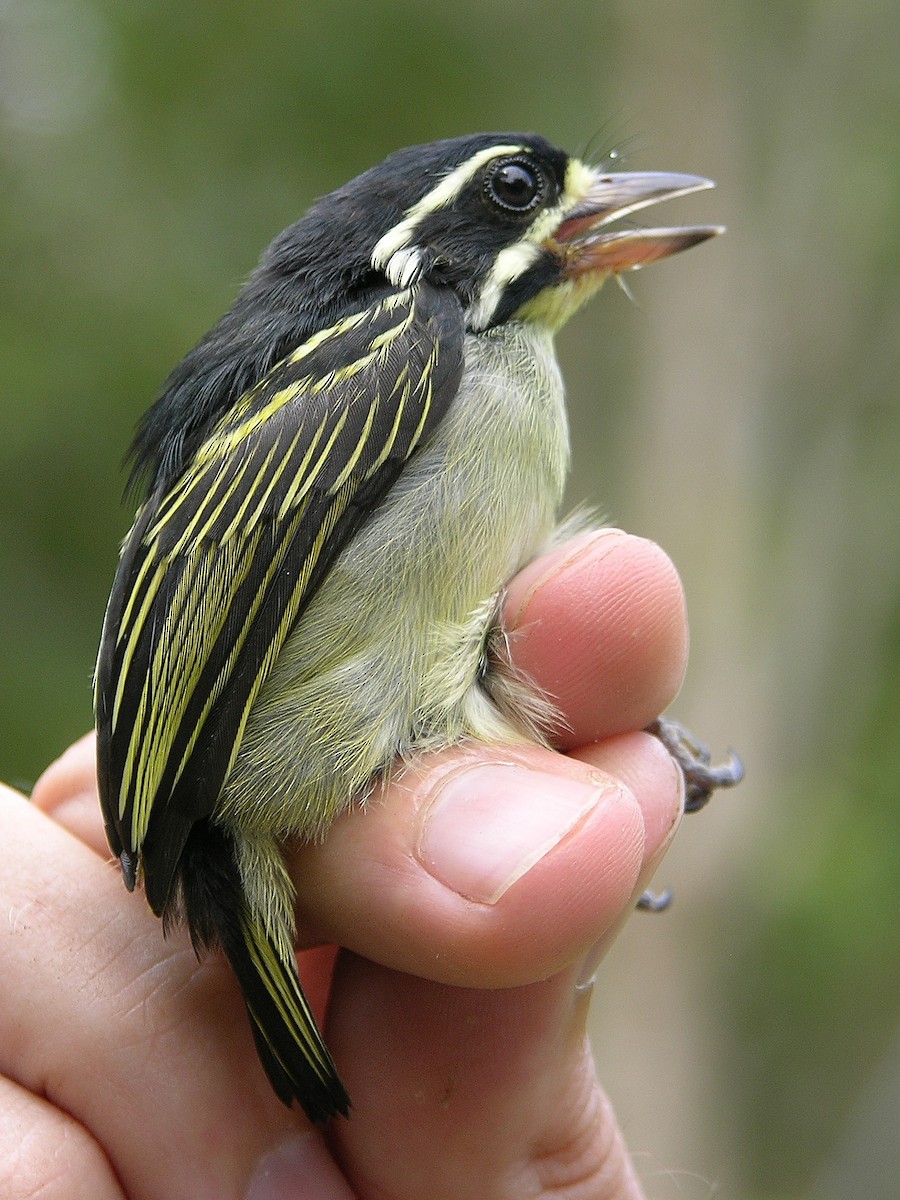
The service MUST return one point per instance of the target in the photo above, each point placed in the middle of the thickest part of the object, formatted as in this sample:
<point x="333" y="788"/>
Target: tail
<point x="288" y="1041"/>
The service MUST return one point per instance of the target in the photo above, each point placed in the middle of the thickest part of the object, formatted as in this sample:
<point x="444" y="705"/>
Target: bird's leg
<point x="700" y="781"/>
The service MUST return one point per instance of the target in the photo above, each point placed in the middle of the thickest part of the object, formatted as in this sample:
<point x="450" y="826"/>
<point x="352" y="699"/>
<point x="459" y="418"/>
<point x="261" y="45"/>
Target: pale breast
<point x="392" y="643"/>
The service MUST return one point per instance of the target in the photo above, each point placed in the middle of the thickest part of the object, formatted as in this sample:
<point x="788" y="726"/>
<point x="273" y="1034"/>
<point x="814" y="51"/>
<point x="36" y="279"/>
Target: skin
<point x="127" y="1070"/>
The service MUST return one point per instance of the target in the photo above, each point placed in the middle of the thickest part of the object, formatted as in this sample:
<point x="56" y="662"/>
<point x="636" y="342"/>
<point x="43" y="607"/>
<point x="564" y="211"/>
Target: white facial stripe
<point x="510" y="263"/>
<point x="403" y="234"/>
<point x="404" y="266"/>
<point x="401" y="259"/>
<point x="516" y="259"/>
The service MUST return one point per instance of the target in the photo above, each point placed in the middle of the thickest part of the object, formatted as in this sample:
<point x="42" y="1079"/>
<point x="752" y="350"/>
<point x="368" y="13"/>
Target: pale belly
<point x="387" y="656"/>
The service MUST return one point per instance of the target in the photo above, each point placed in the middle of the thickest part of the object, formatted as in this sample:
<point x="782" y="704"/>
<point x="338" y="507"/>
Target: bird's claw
<point x="655" y="901"/>
<point x="700" y="779"/>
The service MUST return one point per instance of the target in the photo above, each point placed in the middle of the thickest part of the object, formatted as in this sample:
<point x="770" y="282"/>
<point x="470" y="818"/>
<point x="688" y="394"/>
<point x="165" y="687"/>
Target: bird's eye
<point x="514" y="185"/>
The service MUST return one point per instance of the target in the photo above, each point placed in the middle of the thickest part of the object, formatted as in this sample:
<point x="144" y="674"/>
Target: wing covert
<point x="218" y="567"/>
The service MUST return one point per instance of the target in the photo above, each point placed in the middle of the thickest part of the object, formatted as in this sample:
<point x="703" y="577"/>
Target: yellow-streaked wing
<point x="218" y="568"/>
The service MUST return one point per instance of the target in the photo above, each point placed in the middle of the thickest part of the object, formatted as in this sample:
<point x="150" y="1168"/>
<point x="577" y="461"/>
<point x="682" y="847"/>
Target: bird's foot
<point x="700" y="781"/>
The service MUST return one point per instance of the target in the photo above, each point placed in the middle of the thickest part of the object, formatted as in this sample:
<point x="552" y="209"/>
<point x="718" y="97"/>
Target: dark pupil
<point x="515" y="185"/>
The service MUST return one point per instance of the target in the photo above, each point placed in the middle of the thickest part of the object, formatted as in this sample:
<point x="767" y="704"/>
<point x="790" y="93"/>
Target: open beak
<point x="586" y="244"/>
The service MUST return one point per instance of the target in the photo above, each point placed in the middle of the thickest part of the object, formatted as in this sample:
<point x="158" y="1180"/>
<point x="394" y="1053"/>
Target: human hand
<point x="473" y="895"/>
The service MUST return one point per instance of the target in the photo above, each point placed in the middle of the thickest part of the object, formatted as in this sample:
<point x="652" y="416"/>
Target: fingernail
<point x="299" y="1167"/>
<point x="488" y="824"/>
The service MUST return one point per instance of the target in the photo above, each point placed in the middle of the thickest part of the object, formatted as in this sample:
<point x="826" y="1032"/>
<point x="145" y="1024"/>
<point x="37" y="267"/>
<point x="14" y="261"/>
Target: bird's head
<point x="516" y="226"/>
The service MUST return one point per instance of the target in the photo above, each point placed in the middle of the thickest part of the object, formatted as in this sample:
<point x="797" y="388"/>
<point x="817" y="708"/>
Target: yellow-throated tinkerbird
<point x="342" y="476"/>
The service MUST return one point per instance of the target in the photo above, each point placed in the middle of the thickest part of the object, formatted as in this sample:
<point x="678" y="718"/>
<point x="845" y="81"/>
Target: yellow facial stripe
<point x="578" y="182"/>
<point x="514" y="261"/>
<point x="398" y="256"/>
<point x="510" y="263"/>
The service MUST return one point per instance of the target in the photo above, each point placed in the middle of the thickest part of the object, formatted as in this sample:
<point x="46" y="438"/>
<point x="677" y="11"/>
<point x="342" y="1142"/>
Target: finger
<point x="362" y="887"/>
<point x="600" y="625"/>
<point x="493" y="868"/>
<point x="67" y="791"/>
<point x="46" y="1153"/>
<point x="428" y="1063"/>
<point x="652" y="775"/>
<point x="149" y="1050"/>
<point x="471" y="1095"/>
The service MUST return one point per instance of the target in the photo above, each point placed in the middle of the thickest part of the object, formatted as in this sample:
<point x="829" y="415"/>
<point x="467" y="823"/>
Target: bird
<point x="339" y="480"/>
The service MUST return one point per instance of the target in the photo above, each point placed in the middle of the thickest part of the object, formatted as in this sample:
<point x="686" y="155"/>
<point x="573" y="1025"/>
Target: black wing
<point x="217" y="568"/>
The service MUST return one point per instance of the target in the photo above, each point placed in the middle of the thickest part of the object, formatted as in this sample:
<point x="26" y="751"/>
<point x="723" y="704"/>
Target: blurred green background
<point x="744" y="414"/>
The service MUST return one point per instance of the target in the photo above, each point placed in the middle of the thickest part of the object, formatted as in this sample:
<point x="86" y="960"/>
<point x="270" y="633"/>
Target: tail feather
<point x="288" y="1041"/>
<point x="287" y="1038"/>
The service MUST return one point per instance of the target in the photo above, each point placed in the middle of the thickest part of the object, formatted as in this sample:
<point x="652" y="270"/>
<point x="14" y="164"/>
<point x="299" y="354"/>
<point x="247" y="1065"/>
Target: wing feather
<point x="218" y="567"/>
